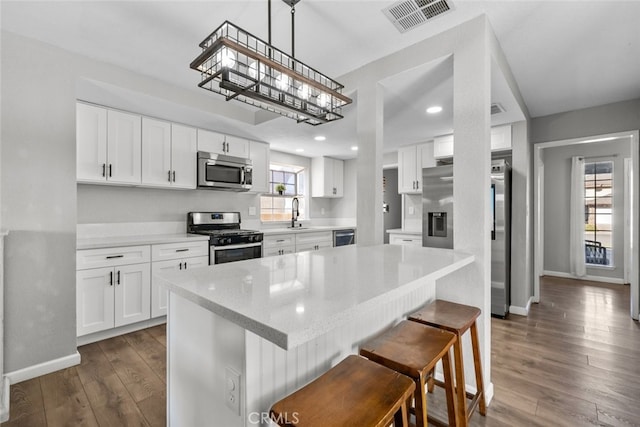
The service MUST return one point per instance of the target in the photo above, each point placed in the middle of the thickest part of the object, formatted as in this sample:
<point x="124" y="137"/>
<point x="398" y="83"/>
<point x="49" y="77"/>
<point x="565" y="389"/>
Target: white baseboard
<point x="521" y="311"/>
<point x="590" y="278"/>
<point x="110" y="333"/>
<point x="4" y="402"/>
<point x="43" y="368"/>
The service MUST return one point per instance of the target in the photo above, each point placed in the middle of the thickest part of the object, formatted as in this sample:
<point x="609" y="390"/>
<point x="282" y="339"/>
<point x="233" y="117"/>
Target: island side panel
<point x="273" y="373"/>
<point x="200" y="346"/>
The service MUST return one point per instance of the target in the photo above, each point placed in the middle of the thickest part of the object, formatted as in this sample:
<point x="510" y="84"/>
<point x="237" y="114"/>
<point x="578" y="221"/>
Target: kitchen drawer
<point x="112" y="257"/>
<point x="278" y="241"/>
<point x="405" y="239"/>
<point x="167" y="251"/>
<point x="314" y="246"/>
<point x="275" y="251"/>
<point x="315" y="237"/>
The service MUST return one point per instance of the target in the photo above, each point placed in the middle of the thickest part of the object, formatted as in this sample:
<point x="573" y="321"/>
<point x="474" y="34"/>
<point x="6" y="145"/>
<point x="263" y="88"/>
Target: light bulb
<point x="282" y="82"/>
<point x="434" y="110"/>
<point x="323" y="100"/>
<point x="253" y="70"/>
<point x="226" y="58"/>
<point x="303" y="91"/>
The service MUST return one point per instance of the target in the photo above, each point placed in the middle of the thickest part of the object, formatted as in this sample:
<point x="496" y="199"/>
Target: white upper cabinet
<point x="156" y="152"/>
<point x="238" y="147"/>
<point x="211" y="142"/>
<point x="123" y="147"/>
<point x="500" y="141"/>
<point x="184" y="146"/>
<point x="411" y="161"/>
<point x="91" y="143"/>
<point x="168" y="154"/>
<point x="108" y="145"/>
<point x="327" y="177"/>
<point x="259" y="155"/>
<point x="218" y="143"/>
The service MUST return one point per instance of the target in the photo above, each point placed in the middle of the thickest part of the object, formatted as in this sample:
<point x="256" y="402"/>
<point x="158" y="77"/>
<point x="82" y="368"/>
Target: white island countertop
<point x="292" y="299"/>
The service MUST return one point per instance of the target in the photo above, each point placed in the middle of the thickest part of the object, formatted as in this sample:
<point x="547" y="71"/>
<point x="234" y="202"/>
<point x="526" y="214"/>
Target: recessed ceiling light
<point x="299" y="150"/>
<point x="320" y="138"/>
<point x="354" y="148"/>
<point x="434" y="110"/>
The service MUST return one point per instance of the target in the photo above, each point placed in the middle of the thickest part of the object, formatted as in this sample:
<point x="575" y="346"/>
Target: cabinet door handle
<point x="180" y="266"/>
<point x="182" y="250"/>
<point x="174" y="176"/>
<point x="111" y="278"/>
<point x="104" y="169"/>
<point x="185" y="265"/>
<point x="109" y="170"/>
<point x="169" y="175"/>
<point x="118" y="278"/>
<point x="115" y="256"/>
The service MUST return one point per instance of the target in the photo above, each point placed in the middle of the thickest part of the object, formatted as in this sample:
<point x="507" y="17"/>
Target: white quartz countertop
<point x="148" y="239"/>
<point x="292" y="299"/>
<point x="304" y="229"/>
<point x="401" y="231"/>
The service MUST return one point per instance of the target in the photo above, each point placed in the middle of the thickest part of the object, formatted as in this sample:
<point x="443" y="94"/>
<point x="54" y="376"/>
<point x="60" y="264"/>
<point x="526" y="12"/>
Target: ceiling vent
<point x="408" y="14"/>
<point x="497" y="108"/>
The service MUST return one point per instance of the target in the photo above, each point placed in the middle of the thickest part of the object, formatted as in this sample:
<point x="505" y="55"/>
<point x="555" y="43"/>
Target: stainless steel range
<point x="228" y="242"/>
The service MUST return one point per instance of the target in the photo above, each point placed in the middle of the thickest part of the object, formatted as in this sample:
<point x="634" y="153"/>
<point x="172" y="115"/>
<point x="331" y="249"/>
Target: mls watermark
<point x="263" y="418"/>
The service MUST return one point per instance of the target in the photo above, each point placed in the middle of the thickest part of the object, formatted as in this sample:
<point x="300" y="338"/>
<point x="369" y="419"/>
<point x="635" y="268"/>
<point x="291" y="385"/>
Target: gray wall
<point x="610" y="118"/>
<point x="557" y="196"/>
<point x="38" y="202"/>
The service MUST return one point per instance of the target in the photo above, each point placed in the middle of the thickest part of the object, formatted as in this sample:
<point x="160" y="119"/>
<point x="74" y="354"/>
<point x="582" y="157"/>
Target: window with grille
<point x="598" y="200"/>
<point x="285" y="183"/>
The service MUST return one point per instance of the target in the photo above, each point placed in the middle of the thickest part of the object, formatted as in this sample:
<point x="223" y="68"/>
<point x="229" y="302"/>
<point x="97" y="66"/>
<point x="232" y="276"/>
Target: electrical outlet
<point x="411" y="210"/>
<point x="252" y="210"/>
<point x="232" y="390"/>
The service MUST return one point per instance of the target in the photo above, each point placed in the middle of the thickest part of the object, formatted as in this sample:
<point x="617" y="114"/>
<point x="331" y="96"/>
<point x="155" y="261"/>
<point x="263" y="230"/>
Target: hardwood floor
<point x="574" y="361"/>
<point x="120" y="382"/>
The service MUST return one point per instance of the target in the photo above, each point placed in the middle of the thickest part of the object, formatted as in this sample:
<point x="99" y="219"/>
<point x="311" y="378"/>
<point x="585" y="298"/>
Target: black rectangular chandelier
<point x="241" y="66"/>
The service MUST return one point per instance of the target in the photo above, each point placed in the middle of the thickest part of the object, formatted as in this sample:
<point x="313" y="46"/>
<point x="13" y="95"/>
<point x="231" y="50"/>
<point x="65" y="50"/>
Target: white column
<point x="369" y="164"/>
<point x="471" y="172"/>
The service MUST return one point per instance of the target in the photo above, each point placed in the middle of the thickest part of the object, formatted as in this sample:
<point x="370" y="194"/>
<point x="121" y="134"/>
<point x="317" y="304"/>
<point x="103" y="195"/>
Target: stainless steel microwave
<point x="220" y="172"/>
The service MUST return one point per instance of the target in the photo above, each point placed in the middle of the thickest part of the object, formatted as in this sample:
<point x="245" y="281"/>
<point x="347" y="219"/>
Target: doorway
<point x="392" y="202"/>
<point x="628" y="258"/>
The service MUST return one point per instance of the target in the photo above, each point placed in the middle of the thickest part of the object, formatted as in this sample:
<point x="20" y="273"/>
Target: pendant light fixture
<point x="239" y="65"/>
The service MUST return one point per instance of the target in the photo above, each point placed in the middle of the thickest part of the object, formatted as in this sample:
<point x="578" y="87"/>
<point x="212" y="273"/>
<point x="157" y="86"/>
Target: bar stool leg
<point x="478" y="368"/>
<point x="420" y="403"/>
<point x="460" y="384"/>
<point x="450" y="391"/>
<point x="401" y="418"/>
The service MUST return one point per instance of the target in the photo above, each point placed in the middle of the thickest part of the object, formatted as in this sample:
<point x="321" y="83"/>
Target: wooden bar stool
<point x="355" y="392"/>
<point x="414" y="349"/>
<point x="457" y="318"/>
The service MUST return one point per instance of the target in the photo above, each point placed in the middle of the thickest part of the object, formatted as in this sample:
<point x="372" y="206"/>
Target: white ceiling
<point x="565" y="55"/>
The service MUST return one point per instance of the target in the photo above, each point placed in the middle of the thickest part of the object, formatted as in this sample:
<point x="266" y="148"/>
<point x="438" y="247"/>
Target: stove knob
<point x="250" y="238"/>
<point x="258" y="238"/>
<point x="227" y="240"/>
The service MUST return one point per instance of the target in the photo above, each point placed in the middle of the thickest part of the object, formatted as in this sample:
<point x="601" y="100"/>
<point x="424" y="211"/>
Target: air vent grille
<point x="408" y="14"/>
<point x="497" y="108"/>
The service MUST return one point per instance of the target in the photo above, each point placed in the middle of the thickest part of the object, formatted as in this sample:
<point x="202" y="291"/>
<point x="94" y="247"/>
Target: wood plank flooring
<point x="574" y="361"/>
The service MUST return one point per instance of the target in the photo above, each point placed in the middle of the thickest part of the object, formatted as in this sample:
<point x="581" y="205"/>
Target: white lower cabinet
<point x="159" y="294"/>
<point x="314" y="241"/>
<point x="110" y="297"/>
<point x="167" y="257"/>
<point x="278" y="244"/>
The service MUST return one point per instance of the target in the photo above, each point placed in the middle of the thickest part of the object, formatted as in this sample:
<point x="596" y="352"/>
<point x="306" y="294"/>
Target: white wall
<point x="557" y="194"/>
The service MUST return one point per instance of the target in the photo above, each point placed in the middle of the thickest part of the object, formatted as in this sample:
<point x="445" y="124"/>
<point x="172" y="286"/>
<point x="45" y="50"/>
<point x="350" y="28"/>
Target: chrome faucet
<point x="294" y="211"/>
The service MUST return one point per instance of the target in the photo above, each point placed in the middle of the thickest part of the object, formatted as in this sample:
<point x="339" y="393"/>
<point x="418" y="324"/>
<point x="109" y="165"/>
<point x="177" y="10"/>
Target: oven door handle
<point x="238" y="246"/>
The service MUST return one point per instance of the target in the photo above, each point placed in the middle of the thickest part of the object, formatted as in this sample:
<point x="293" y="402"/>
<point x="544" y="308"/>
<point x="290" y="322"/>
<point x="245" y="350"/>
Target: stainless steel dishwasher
<point x="343" y="237"/>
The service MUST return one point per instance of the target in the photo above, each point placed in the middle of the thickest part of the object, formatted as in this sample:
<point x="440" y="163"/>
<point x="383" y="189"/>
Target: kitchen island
<point x="242" y="335"/>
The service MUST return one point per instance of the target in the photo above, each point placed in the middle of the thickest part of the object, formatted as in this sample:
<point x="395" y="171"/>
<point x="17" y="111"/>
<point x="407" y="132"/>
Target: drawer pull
<point x="115" y="256"/>
<point x="182" y="250"/>
<point x="280" y="240"/>
<point x="407" y="240"/>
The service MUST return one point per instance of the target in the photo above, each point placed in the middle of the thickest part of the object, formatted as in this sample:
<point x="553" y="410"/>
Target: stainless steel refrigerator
<point x="437" y="223"/>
